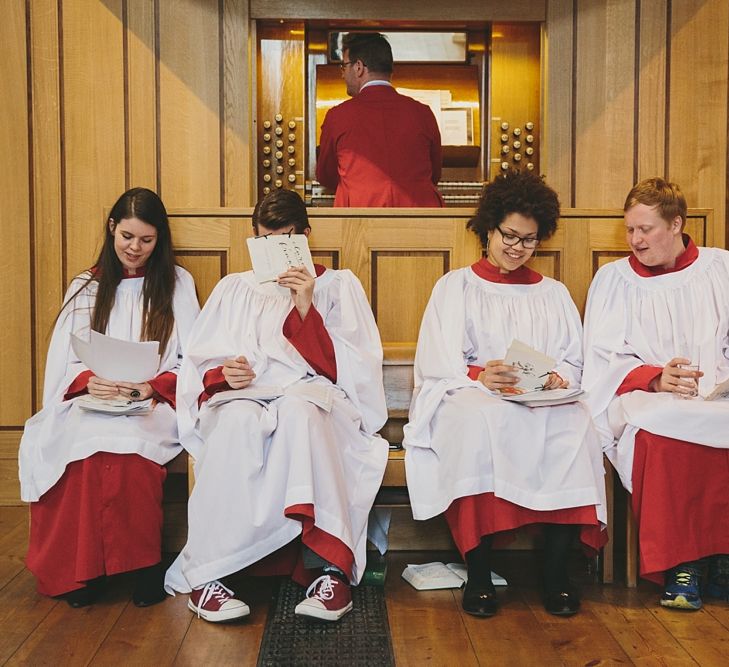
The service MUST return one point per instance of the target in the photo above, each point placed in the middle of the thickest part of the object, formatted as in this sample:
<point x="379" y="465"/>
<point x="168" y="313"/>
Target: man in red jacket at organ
<point x="380" y="148"/>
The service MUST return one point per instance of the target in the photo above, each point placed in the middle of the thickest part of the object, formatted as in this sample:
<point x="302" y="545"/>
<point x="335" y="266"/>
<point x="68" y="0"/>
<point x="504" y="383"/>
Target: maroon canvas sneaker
<point x="327" y="599"/>
<point x="215" y="603"/>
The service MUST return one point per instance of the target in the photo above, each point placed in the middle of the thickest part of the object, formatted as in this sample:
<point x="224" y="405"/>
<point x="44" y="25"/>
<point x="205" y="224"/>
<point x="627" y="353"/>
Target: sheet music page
<point x="273" y="254"/>
<point x="533" y="367"/>
<point x="117" y="360"/>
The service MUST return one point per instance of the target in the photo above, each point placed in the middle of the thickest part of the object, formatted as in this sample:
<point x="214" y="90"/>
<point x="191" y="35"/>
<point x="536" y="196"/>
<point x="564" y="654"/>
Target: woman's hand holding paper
<point x="101" y="388"/>
<point x="135" y="391"/>
<point x="555" y="381"/>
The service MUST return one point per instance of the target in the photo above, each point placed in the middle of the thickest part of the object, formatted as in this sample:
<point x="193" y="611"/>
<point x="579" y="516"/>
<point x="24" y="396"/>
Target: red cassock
<point x="679" y="498"/>
<point x="381" y="148"/>
<point x="103" y="517"/>
<point x="472" y="517"/>
<point x="311" y="339"/>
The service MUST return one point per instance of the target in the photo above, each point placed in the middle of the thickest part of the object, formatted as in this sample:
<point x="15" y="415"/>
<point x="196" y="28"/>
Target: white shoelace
<point x="326" y="589"/>
<point x="211" y="590"/>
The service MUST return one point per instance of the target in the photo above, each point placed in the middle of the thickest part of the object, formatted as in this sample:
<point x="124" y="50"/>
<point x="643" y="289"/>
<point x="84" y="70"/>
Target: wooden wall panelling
<point x="557" y="99"/>
<point x="650" y="145"/>
<point x="237" y="117"/>
<point x="141" y="94"/>
<point x="15" y="277"/>
<point x="464" y="10"/>
<point x="697" y="146"/>
<point x="9" y="482"/>
<point x="47" y="197"/>
<point x="93" y="123"/>
<point x="189" y="102"/>
<point x="605" y="102"/>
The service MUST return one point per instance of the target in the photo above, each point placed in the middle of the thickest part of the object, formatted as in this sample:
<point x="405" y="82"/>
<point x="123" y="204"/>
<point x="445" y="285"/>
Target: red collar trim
<point x="521" y="276"/>
<point x="686" y="258"/>
<point x="319" y="268"/>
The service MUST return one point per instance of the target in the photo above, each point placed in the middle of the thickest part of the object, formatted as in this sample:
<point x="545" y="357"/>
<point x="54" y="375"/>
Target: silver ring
<point x="135" y="393"/>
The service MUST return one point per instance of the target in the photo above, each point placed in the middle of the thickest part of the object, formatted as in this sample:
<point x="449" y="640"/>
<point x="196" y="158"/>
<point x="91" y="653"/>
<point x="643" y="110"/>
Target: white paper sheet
<point x="273" y="254"/>
<point x="533" y="366"/>
<point x="117" y="360"/>
<point x="548" y="397"/>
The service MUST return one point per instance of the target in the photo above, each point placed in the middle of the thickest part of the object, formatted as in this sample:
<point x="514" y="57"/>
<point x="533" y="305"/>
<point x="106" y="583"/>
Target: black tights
<point x="558" y="539"/>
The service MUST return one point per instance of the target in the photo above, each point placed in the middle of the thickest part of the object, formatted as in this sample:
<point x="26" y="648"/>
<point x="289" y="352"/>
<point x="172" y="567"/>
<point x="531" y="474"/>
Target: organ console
<point x="482" y="80"/>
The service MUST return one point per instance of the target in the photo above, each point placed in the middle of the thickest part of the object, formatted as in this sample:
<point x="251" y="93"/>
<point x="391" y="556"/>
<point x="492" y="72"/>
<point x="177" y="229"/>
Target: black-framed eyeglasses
<point x="528" y="243"/>
<point x="344" y="64"/>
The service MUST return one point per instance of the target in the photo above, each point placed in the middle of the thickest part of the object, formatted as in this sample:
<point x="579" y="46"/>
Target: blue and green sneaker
<point x="682" y="588"/>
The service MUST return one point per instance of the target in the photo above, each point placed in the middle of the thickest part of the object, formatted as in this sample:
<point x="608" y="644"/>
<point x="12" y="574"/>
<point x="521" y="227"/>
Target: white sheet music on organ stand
<point x="273" y="254"/>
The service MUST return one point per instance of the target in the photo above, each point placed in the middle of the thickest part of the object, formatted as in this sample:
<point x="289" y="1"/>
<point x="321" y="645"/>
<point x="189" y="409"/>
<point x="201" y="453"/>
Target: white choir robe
<point x="632" y="320"/>
<point x="462" y="439"/>
<point x="253" y="461"/>
<point x="63" y="432"/>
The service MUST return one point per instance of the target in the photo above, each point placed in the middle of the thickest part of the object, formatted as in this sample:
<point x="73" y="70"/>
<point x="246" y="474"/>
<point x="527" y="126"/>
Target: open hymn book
<point x="273" y="254"/>
<point x="533" y="368"/>
<point x="432" y="576"/>
<point x="719" y="393"/>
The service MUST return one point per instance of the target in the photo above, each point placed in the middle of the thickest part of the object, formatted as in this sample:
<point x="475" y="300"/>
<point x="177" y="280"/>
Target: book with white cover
<point x="719" y="393"/>
<point x="115" y="406"/>
<point x="318" y="394"/>
<point x="532" y="367"/>
<point x="538" y="399"/>
<point x="273" y="254"/>
<point x="437" y="575"/>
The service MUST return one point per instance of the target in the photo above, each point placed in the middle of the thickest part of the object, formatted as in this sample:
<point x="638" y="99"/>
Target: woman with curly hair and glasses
<point x="490" y="465"/>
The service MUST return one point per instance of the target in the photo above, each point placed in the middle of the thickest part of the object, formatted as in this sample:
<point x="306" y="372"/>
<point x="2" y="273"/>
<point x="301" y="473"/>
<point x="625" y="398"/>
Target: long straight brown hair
<point x="158" y="289"/>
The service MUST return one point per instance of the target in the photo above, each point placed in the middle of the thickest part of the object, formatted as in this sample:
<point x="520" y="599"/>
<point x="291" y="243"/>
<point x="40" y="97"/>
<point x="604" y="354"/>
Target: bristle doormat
<point x="362" y="637"/>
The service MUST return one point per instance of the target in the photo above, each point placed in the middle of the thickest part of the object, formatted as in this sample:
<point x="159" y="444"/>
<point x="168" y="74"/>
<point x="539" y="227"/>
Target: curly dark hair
<point x="516" y="192"/>
<point x="281" y="208"/>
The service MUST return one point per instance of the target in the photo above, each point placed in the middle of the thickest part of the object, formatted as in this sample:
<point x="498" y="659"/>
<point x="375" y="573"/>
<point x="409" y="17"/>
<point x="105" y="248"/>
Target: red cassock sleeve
<point x="475" y="371"/>
<point x="164" y="387"/>
<point x="213" y="382"/>
<point x="79" y="386"/>
<point x="639" y="379"/>
<point x="312" y="341"/>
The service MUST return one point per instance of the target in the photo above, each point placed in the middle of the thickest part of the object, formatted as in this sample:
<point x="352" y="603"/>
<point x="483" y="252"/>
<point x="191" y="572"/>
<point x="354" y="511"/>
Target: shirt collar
<point x="376" y="82"/>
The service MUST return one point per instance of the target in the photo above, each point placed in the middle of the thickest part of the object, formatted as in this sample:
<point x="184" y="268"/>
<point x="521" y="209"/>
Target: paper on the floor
<point x="431" y="576"/>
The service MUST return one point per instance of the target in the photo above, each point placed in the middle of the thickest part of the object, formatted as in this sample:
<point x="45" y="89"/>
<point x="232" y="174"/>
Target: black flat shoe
<point x="149" y="587"/>
<point x="564" y="602"/>
<point x="83" y="597"/>
<point x="480" y="599"/>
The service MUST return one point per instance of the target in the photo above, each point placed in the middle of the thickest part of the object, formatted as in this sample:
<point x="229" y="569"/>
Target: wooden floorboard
<point x="617" y="625"/>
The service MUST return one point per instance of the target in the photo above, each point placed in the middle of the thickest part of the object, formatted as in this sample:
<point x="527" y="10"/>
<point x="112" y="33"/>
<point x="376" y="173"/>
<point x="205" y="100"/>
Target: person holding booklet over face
<point x="280" y="401"/>
<point x="656" y="357"/>
<point x="489" y="464"/>
<point x="94" y="479"/>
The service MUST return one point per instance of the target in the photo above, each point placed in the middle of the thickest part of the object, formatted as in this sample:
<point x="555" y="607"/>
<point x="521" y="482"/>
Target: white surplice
<point x="62" y="431"/>
<point x="462" y="439"/>
<point x="632" y="320"/>
<point x="256" y="458"/>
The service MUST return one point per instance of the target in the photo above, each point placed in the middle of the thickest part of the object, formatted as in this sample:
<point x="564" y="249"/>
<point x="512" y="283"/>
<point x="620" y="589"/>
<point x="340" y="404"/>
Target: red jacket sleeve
<point x="213" y="382"/>
<point x="79" y="386"/>
<point x="312" y="341"/>
<point x="639" y="379"/>
<point x="164" y="387"/>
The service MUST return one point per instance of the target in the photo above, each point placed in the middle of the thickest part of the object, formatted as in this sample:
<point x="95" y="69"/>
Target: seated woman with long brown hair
<point x="94" y="480"/>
